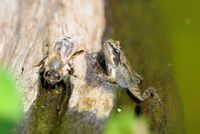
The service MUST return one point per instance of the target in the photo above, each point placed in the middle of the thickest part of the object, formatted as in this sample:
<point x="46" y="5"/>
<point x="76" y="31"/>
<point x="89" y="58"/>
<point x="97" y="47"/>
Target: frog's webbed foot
<point x="146" y="94"/>
<point x="155" y="95"/>
<point x="135" y="91"/>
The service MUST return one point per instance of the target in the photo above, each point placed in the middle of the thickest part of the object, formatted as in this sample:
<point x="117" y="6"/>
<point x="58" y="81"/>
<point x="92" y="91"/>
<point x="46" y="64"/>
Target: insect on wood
<point x="57" y="65"/>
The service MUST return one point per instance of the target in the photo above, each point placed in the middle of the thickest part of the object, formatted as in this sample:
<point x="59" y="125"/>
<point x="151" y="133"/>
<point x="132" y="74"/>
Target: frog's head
<point x="112" y="52"/>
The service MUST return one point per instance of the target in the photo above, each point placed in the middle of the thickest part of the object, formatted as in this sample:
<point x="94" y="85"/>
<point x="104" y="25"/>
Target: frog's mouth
<point x="116" y="55"/>
<point x="116" y="61"/>
<point x="113" y="53"/>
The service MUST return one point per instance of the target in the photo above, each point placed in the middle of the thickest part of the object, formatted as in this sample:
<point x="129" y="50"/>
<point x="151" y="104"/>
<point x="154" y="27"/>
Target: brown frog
<point x="118" y="71"/>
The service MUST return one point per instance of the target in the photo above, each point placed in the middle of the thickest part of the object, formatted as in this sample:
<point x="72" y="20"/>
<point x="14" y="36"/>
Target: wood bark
<point x="27" y="27"/>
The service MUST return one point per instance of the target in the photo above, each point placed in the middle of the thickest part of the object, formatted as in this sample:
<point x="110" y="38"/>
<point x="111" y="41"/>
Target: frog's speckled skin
<point x="120" y="72"/>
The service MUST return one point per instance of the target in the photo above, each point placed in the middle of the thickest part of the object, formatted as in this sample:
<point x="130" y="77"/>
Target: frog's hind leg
<point x="135" y="91"/>
<point x="155" y="95"/>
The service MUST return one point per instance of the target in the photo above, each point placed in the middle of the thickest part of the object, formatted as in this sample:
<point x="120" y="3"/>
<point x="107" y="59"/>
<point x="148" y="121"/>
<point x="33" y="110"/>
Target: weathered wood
<point x="27" y="27"/>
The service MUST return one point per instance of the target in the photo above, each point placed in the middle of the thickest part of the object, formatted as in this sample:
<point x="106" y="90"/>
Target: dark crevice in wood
<point x="50" y="106"/>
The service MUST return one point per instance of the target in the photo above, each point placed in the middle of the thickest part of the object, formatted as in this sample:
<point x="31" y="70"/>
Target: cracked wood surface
<point x="26" y="26"/>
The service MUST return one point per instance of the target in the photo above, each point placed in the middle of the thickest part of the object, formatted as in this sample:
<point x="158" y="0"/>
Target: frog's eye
<point x="116" y="52"/>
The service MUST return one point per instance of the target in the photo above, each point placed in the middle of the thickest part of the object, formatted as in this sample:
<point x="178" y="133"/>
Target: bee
<point x="56" y="65"/>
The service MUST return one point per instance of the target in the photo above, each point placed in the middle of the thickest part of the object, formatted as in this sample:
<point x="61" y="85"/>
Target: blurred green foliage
<point x="180" y="19"/>
<point x="119" y="124"/>
<point x="125" y="122"/>
<point x="10" y="104"/>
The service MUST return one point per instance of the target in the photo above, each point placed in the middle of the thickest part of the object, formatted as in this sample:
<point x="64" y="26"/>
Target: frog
<point x="119" y="71"/>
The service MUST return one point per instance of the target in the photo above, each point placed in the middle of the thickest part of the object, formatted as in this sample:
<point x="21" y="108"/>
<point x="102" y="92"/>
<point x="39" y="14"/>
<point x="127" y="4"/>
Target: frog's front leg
<point x="138" y="79"/>
<point x="107" y="78"/>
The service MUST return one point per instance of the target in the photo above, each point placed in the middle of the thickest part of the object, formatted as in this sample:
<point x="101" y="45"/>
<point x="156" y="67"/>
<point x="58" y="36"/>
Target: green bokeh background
<point x="181" y="20"/>
<point x="10" y="103"/>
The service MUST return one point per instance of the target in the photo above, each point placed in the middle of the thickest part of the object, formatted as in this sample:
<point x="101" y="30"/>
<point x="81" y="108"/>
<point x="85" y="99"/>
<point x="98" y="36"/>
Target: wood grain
<point x="26" y="26"/>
